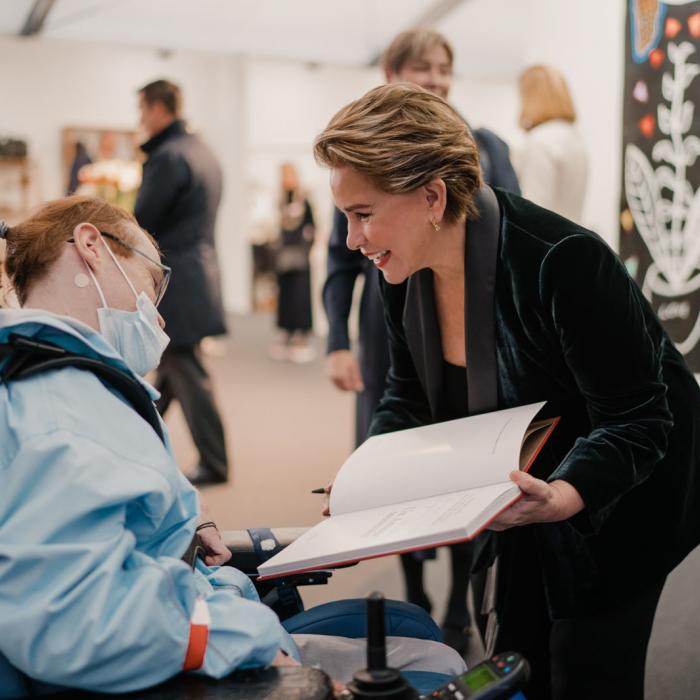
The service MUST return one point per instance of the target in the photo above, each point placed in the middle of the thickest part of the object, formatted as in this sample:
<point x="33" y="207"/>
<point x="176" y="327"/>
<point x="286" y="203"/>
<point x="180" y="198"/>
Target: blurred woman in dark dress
<point x="297" y="231"/>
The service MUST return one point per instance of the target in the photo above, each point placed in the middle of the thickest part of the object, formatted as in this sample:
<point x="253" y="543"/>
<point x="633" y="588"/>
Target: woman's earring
<point x="81" y="280"/>
<point x="436" y="225"/>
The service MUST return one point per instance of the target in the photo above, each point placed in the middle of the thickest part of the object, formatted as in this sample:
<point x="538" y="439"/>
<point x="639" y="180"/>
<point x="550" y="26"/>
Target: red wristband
<point x="199" y="636"/>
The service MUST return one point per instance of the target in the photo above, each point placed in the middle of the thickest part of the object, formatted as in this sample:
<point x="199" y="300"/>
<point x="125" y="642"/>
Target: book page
<point x="534" y="437"/>
<point x="431" y="460"/>
<point x="389" y="529"/>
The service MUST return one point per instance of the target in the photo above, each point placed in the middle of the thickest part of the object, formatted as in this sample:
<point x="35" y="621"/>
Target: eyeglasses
<point x="167" y="271"/>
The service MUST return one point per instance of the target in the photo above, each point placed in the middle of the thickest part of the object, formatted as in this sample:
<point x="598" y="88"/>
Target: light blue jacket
<point x="94" y="517"/>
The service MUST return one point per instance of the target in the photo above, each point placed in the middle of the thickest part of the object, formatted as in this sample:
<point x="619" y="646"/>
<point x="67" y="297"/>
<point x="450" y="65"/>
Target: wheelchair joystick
<point x="378" y="681"/>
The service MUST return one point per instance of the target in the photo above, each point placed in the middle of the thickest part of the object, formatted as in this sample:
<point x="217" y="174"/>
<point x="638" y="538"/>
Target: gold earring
<point x="436" y="225"/>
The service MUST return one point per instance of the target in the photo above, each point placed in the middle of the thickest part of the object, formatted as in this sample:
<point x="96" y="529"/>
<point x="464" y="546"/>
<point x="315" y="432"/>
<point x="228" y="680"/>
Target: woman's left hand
<point x="542" y="502"/>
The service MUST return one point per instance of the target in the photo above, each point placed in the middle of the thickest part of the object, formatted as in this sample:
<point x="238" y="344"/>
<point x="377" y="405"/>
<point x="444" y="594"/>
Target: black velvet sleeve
<point x="609" y="341"/>
<point x="404" y="403"/>
<point x="344" y="265"/>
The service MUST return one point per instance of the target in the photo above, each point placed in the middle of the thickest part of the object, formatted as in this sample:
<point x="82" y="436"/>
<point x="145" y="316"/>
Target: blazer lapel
<point x="481" y="251"/>
<point x="423" y="334"/>
<point x="420" y="314"/>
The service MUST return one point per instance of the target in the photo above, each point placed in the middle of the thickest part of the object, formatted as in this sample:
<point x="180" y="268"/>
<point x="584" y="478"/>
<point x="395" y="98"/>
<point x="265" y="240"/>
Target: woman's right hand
<point x="327" y="499"/>
<point x="344" y="371"/>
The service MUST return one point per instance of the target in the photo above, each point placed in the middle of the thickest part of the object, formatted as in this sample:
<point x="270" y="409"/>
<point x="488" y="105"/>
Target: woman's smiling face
<point x="392" y="230"/>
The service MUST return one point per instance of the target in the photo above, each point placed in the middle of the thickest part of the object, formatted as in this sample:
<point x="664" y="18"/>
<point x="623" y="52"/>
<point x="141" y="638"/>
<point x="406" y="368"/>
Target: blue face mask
<point x="135" y="335"/>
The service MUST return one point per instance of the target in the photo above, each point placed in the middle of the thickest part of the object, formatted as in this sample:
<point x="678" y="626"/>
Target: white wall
<point x="495" y="40"/>
<point x="257" y="112"/>
<point x="48" y="85"/>
<point x="288" y="103"/>
<point x="586" y="41"/>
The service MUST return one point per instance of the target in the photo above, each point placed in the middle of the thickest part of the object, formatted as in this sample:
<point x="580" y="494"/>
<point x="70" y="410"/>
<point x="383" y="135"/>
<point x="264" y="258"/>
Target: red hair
<point x="35" y="244"/>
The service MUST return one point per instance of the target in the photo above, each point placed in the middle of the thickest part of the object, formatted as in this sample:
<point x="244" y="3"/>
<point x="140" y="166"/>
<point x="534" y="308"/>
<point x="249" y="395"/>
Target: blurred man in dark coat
<point x="177" y="203"/>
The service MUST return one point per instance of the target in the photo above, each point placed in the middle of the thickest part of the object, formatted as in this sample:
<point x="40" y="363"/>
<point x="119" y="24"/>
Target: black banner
<point x="660" y="203"/>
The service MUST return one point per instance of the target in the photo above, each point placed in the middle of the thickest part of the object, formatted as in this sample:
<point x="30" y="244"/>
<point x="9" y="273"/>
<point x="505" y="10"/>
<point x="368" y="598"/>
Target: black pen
<point x="321" y="489"/>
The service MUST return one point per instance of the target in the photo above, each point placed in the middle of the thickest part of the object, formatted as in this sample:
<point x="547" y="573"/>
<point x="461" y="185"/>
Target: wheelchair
<point x="344" y="618"/>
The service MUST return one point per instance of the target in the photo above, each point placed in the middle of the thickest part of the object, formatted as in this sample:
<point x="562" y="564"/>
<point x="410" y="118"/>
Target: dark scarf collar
<point x="421" y="322"/>
<point x="177" y="128"/>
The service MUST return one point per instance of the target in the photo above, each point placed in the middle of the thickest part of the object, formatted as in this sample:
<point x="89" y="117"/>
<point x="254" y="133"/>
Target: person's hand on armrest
<point x="343" y="370"/>
<point x="216" y="552"/>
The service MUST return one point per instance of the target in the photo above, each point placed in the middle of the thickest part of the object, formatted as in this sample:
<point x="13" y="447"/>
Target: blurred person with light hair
<point x="424" y="57"/>
<point x="493" y="302"/>
<point x="552" y="165"/>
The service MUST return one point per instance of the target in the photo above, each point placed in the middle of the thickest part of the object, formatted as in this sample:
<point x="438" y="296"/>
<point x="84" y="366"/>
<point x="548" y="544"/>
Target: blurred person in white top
<point x="552" y="165"/>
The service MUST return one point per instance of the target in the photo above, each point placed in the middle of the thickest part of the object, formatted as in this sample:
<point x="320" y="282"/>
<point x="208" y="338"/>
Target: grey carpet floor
<point x="289" y="431"/>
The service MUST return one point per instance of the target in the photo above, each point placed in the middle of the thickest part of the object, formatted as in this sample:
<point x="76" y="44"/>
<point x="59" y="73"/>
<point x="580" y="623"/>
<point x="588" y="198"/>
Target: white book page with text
<point x="431" y="460"/>
<point x="412" y="524"/>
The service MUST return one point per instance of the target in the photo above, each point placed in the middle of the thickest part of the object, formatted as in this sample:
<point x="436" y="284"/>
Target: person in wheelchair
<point x="94" y="513"/>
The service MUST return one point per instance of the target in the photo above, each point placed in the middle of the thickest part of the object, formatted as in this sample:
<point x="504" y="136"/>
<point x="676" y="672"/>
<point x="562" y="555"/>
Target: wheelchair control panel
<point x="499" y="677"/>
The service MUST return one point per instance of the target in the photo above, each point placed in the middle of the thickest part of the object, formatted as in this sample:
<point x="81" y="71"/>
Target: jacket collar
<point x="66" y="332"/>
<point x="175" y="129"/>
<point x="421" y="323"/>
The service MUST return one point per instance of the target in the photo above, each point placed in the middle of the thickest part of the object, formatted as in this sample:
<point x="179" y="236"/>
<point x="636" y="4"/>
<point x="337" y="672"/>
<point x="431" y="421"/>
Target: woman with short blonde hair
<point x="491" y="302"/>
<point x="421" y="57"/>
<point x="401" y="136"/>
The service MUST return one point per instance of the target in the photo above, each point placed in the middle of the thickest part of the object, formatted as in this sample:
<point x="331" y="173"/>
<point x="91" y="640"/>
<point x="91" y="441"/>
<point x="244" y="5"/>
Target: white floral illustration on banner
<point x="669" y="225"/>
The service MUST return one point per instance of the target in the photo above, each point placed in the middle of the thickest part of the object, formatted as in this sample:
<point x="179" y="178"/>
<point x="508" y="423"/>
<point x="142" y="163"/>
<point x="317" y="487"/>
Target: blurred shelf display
<point x="18" y="183"/>
<point x="102" y="162"/>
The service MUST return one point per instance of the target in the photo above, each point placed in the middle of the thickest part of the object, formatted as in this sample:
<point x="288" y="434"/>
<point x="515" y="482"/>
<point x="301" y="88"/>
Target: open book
<point x="419" y="488"/>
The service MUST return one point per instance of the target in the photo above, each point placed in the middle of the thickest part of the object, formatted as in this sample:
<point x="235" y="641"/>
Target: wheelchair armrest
<point x="241" y="546"/>
<point x="245" y="558"/>
<point x="239" y="540"/>
<point x="280" y="594"/>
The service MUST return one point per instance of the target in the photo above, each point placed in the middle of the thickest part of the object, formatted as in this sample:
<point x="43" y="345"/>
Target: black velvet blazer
<point x="551" y="314"/>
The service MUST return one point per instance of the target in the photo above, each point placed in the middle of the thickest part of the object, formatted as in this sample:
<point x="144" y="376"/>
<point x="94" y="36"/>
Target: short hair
<point x="165" y="92"/>
<point x="401" y="137"/>
<point x="545" y="96"/>
<point x="34" y="245"/>
<point x="412" y="44"/>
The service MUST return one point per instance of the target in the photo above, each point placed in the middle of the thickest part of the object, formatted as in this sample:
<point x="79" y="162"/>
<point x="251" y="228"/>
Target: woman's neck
<point x="448" y="262"/>
<point x="63" y="299"/>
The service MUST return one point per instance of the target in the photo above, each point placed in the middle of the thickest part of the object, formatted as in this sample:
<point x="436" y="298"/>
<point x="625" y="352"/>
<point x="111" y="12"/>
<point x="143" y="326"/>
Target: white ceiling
<point x="487" y="35"/>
